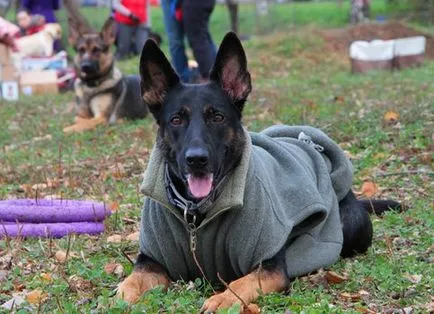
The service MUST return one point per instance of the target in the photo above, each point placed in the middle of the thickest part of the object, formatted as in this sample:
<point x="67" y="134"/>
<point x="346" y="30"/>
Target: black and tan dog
<point x="252" y="209"/>
<point x="103" y="94"/>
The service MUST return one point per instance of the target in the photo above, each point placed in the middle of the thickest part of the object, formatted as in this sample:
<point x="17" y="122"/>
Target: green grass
<point x="295" y="82"/>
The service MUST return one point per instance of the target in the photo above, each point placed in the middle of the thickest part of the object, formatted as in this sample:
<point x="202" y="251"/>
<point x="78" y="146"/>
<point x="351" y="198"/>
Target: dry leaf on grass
<point x="369" y="189"/>
<point x="36" y="296"/>
<point x="333" y="277"/>
<point x="60" y="256"/>
<point x="414" y="278"/>
<point x="46" y="277"/>
<point x="114" y="268"/>
<point x="113" y="206"/>
<point x="353" y="297"/>
<point x="39" y="186"/>
<point x="252" y="308"/>
<point x="116" y="238"/>
<point x="133" y="236"/>
<point x="391" y="117"/>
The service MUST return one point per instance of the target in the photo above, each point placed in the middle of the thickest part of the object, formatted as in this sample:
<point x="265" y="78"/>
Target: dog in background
<point x="39" y="44"/>
<point x="103" y="94"/>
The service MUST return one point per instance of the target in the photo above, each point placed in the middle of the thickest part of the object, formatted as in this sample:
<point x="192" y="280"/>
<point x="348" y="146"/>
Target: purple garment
<point x="43" y="7"/>
<point x="52" y="230"/>
<point x="52" y="211"/>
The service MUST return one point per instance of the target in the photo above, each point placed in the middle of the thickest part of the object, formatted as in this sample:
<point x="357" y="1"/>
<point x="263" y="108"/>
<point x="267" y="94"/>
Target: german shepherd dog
<point x="103" y="94"/>
<point x="201" y="138"/>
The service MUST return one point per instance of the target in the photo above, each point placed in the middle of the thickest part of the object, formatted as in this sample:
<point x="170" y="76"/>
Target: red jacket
<point x="137" y="7"/>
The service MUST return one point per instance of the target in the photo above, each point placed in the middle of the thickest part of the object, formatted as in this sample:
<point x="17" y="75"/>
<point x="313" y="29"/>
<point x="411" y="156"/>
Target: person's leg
<point x="125" y="33"/>
<point x="175" y="34"/>
<point x="233" y="14"/>
<point x="141" y="35"/>
<point x="196" y="19"/>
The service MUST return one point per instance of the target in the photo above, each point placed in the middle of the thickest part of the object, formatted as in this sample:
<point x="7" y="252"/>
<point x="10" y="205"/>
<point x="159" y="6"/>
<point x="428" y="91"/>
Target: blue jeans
<point x="175" y="34"/>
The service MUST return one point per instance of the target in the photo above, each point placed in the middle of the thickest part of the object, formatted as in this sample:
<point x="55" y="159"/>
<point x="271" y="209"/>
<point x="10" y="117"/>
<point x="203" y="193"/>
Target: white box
<point x="10" y="90"/>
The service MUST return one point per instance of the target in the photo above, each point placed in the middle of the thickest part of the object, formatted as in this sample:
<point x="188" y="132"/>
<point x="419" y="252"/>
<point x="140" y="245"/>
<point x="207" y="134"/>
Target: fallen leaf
<point x="414" y="278"/>
<point x="113" y="206"/>
<point x="252" y="308"/>
<point x="116" y="238"/>
<point x="52" y="183"/>
<point x="46" y="277"/>
<point x="3" y="275"/>
<point x="39" y="186"/>
<point x="24" y="188"/>
<point x="77" y="283"/>
<point x="333" y="277"/>
<point x="36" y="296"/>
<point x="391" y="117"/>
<point x="17" y="299"/>
<point x="114" y="268"/>
<point x="364" y="310"/>
<point x="350" y="296"/>
<point x="429" y="307"/>
<point x="53" y="197"/>
<point x="60" y="256"/>
<point x="369" y="189"/>
<point x="133" y="236"/>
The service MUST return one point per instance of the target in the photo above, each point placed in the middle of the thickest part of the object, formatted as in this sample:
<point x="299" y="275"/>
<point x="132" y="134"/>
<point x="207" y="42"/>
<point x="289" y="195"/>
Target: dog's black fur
<point x="200" y="132"/>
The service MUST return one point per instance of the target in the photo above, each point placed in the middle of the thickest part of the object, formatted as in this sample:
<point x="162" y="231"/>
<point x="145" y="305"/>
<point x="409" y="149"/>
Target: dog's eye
<point x="95" y="50"/>
<point x="81" y="50"/>
<point x="176" y="120"/>
<point x="218" y="118"/>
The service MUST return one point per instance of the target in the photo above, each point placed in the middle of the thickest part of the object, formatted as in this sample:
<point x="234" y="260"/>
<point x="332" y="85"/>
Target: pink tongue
<point x="200" y="187"/>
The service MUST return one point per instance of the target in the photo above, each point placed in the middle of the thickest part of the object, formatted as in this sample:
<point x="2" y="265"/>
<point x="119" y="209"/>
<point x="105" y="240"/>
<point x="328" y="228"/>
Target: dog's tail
<point x="380" y="206"/>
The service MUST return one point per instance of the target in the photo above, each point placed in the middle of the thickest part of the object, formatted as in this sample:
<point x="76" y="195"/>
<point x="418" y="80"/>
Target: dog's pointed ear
<point x="108" y="32"/>
<point x="230" y="70"/>
<point x="157" y="77"/>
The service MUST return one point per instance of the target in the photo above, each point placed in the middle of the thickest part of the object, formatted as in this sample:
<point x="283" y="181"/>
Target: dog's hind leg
<point x="271" y="277"/>
<point x="356" y="223"/>
<point x="356" y="226"/>
<point x="146" y="275"/>
<point x="82" y="124"/>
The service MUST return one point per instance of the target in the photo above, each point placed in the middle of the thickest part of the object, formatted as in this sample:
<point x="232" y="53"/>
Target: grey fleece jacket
<point x="283" y="194"/>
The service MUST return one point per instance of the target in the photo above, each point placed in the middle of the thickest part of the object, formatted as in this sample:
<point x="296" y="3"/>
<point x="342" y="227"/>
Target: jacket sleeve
<point x="117" y="6"/>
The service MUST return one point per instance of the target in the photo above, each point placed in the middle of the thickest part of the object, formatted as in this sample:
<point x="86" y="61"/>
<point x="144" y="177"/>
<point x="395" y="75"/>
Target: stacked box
<point x="8" y="75"/>
<point x="388" y="54"/>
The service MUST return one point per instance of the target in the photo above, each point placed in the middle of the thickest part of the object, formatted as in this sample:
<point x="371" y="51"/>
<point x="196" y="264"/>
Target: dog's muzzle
<point x="89" y="67"/>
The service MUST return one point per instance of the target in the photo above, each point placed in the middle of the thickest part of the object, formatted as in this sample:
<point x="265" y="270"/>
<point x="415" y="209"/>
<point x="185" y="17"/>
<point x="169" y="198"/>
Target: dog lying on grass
<point x="103" y="94"/>
<point x="252" y="209"/>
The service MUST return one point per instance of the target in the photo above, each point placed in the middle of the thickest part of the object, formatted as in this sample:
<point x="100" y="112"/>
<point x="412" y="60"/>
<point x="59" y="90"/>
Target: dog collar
<point x="190" y="209"/>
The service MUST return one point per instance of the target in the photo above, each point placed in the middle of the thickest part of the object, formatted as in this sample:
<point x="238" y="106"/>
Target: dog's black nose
<point x="197" y="157"/>
<point x="87" y="67"/>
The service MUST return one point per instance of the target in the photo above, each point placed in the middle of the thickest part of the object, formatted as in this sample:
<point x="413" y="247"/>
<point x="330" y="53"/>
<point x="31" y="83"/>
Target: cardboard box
<point x="10" y="90"/>
<point x="39" y="82"/>
<point x="57" y="62"/>
<point x="375" y="55"/>
<point x="8" y="72"/>
<point x="5" y="54"/>
<point x="409" y="52"/>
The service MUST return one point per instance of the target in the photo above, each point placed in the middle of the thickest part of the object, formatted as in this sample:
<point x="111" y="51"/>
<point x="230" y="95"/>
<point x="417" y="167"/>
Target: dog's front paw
<point x="130" y="289"/>
<point x="71" y="129"/>
<point x="222" y="300"/>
